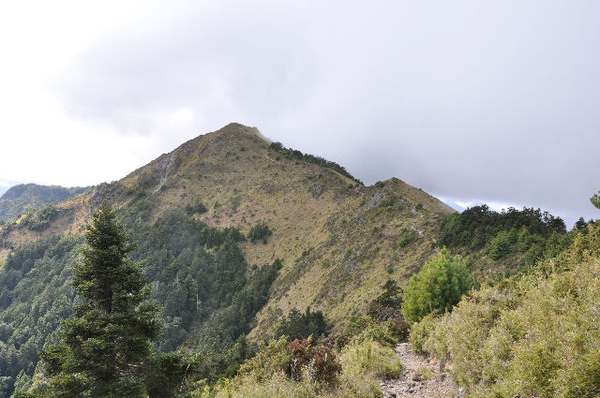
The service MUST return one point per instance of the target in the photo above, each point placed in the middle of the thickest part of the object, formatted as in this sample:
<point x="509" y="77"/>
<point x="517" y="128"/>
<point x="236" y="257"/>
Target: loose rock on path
<point x="421" y="378"/>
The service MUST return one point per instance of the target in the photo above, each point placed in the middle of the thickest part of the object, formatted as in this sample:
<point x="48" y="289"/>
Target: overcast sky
<point x="493" y="101"/>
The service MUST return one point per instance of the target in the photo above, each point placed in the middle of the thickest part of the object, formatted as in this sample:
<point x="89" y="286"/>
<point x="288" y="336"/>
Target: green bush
<point x="467" y="331"/>
<point x="532" y="336"/>
<point x="380" y="333"/>
<point x="318" y="363"/>
<point x="299" y="325"/>
<point x="258" y="232"/>
<point x="407" y="239"/>
<point x="437" y="288"/>
<point x="197" y="208"/>
<point x="331" y="369"/>
<point x="388" y="304"/>
<point x="502" y="244"/>
<point x="366" y="356"/>
<point x="271" y="359"/>
<point x="420" y="331"/>
<point x="525" y="240"/>
<point x="277" y="385"/>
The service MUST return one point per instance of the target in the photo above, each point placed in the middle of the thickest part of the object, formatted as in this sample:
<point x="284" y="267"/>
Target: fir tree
<point x="106" y="345"/>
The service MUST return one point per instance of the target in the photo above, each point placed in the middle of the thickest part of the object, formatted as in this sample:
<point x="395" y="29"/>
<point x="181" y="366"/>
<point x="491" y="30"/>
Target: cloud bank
<point x="469" y="100"/>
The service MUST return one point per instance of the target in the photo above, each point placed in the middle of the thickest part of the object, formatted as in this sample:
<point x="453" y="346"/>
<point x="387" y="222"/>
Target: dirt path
<point x="420" y="378"/>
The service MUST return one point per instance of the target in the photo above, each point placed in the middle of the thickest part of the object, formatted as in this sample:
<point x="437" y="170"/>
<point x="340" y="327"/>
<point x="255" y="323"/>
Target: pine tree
<point x="106" y="342"/>
<point x="436" y="288"/>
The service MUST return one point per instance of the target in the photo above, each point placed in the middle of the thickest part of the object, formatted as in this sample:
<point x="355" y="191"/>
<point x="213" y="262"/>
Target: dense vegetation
<point x="208" y="293"/>
<point x="513" y="240"/>
<point x="487" y="336"/>
<point x="299" y="325"/>
<point x="35" y="296"/>
<point x="209" y="296"/>
<point x="532" y="334"/>
<point x="478" y="225"/>
<point x="330" y="365"/>
<point x="260" y="231"/>
<point x="296" y="154"/>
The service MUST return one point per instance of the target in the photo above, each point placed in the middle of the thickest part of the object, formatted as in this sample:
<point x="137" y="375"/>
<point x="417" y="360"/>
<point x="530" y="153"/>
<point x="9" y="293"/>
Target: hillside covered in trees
<point x="24" y="198"/>
<point x="273" y="272"/>
<point x="534" y="333"/>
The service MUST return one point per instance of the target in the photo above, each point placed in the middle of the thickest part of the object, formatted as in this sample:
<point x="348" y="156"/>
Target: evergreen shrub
<point x="436" y="288"/>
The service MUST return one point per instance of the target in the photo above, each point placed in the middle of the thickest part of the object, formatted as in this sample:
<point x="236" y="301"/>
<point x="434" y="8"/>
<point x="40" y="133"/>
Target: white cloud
<point x="465" y="100"/>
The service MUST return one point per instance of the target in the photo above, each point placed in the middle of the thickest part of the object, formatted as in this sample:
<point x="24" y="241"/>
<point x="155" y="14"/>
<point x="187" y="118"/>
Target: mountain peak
<point x="240" y="130"/>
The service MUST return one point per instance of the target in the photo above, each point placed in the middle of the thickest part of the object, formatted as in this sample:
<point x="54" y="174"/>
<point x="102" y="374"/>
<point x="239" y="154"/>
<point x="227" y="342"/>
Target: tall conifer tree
<point x="107" y="341"/>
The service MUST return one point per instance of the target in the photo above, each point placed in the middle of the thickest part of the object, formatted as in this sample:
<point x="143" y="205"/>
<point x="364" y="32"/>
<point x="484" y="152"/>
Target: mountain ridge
<point x="22" y="198"/>
<point x="249" y="189"/>
<point x="333" y="241"/>
<point x="236" y="175"/>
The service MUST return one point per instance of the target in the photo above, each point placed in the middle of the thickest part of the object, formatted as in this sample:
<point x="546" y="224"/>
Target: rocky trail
<point x="421" y="378"/>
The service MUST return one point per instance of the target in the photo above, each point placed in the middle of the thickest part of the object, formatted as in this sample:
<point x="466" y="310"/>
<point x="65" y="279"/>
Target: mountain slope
<point x="333" y="243"/>
<point x="25" y="197"/>
<point x="325" y="225"/>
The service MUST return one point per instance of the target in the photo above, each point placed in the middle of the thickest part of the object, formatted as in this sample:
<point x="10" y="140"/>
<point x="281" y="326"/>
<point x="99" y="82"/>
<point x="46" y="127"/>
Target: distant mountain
<point x="3" y="188"/>
<point x="234" y="232"/>
<point x="22" y="198"/>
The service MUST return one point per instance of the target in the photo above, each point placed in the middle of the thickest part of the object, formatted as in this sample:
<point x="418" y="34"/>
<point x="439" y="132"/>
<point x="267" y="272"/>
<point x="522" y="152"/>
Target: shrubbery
<point x="299" y="325"/>
<point x="197" y="208"/>
<point x="332" y="368"/>
<point x="439" y="286"/>
<point x="40" y="220"/>
<point x="533" y="335"/>
<point x="388" y="303"/>
<point x="338" y="365"/>
<point x="477" y="225"/>
<point x="258" y="232"/>
<point x="319" y="362"/>
<point x="370" y="357"/>
<point x="295" y="154"/>
<point x="420" y="332"/>
<point x="531" y="232"/>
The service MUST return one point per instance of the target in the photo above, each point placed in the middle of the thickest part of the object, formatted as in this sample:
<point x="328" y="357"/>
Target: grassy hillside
<point x="325" y="225"/>
<point x="333" y="243"/>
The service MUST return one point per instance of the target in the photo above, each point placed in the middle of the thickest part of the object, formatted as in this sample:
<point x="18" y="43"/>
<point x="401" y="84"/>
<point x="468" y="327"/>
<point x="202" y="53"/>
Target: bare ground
<point x="421" y="378"/>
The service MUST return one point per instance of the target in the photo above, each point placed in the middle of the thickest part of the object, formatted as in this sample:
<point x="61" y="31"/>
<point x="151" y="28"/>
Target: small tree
<point x="260" y="231"/>
<point x="299" y="325"/>
<point x="106" y="341"/>
<point x="596" y="200"/>
<point x="437" y="288"/>
<point x="388" y="303"/>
